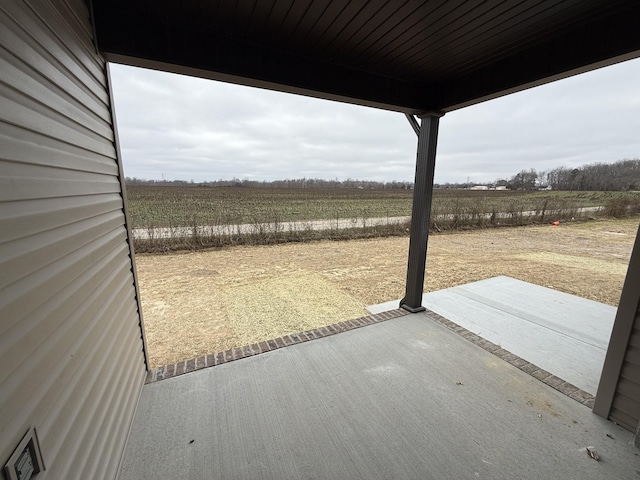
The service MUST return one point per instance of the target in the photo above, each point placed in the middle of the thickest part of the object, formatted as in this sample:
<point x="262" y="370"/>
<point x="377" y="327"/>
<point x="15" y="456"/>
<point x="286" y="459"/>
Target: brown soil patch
<point x="201" y="302"/>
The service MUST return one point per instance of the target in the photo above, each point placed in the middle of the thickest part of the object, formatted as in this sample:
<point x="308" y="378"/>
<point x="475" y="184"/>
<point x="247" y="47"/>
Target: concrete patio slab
<point x="405" y="398"/>
<point x="564" y="334"/>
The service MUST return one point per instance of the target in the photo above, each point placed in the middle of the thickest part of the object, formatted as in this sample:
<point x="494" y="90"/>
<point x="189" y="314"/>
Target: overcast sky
<point x="178" y="127"/>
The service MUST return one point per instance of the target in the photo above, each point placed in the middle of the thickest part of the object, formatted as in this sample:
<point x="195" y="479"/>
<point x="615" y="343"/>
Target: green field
<point x="154" y="206"/>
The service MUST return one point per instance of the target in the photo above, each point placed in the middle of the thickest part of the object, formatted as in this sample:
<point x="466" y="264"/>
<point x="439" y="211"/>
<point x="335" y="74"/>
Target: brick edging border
<point x="548" y="378"/>
<point x="213" y="359"/>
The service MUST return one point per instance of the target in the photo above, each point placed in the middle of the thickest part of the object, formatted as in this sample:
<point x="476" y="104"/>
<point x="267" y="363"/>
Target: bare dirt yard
<point x="201" y="302"/>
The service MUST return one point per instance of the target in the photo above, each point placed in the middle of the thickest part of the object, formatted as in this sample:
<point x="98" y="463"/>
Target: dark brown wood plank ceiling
<point x="407" y="55"/>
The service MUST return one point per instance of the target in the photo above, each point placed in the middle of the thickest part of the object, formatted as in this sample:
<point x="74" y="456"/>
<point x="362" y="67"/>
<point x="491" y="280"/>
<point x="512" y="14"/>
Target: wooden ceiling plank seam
<point x="332" y="23"/>
<point x="225" y="17"/>
<point x="444" y="45"/>
<point x="352" y="68"/>
<point x="426" y="21"/>
<point x="236" y="60"/>
<point x="340" y="44"/>
<point x="403" y="25"/>
<point x="497" y="38"/>
<point x="415" y="36"/>
<point x="577" y="51"/>
<point x="473" y="47"/>
<point x="271" y="9"/>
<point x="298" y="11"/>
<point x="260" y="17"/>
<point x="273" y="24"/>
<point x="253" y="14"/>
<point x="383" y="28"/>
<point x="243" y="12"/>
<point x="284" y="16"/>
<point x="250" y="20"/>
<point x="365" y="54"/>
<point x="465" y="44"/>
<point x="506" y="49"/>
<point x="571" y="22"/>
<point x="307" y="34"/>
<point x="293" y="31"/>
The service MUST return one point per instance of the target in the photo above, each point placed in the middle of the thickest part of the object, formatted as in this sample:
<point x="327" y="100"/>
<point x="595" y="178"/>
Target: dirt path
<point x="197" y="303"/>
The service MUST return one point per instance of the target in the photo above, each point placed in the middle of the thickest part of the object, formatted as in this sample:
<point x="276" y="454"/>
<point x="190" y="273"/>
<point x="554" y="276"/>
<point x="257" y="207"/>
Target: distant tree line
<point x="288" y="183"/>
<point x="622" y="175"/>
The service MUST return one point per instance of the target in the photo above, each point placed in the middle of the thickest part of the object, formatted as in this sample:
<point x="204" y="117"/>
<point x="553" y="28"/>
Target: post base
<point x="406" y="307"/>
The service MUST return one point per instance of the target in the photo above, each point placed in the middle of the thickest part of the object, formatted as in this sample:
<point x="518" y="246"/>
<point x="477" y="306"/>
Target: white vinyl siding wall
<point x="71" y="346"/>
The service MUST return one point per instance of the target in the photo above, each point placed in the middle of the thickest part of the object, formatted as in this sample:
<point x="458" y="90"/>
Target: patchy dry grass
<point x="200" y="302"/>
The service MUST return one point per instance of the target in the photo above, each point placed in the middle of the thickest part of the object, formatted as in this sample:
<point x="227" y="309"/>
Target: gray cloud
<point x="189" y="128"/>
